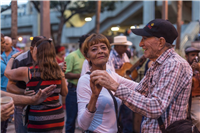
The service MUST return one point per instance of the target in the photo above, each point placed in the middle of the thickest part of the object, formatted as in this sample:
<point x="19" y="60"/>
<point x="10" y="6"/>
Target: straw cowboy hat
<point x="121" y="40"/>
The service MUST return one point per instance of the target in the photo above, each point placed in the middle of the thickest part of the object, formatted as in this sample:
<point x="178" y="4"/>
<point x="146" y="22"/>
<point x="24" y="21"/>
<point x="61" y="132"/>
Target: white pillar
<point x="195" y="10"/>
<point x="148" y="11"/>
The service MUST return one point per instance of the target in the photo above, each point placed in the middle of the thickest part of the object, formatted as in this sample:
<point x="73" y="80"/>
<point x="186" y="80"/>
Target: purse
<point x="25" y="115"/>
<point x="180" y="126"/>
<point x="26" y="109"/>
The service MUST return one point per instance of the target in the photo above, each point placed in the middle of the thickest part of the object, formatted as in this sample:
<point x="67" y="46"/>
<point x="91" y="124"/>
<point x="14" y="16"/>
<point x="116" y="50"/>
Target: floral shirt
<point x="116" y="60"/>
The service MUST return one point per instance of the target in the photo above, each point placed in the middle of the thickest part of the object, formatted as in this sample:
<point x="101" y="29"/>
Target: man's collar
<point x="164" y="56"/>
<point x="115" y="52"/>
<point x="29" y="59"/>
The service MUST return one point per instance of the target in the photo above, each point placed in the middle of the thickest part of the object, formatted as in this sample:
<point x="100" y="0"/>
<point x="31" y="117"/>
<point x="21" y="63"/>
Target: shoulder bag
<point x="180" y="126"/>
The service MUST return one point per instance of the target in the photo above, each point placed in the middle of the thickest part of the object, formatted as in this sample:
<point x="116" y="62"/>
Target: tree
<point x="77" y="8"/>
<point x="14" y="20"/>
<point x="98" y="10"/>
<point x="179" y="20"/>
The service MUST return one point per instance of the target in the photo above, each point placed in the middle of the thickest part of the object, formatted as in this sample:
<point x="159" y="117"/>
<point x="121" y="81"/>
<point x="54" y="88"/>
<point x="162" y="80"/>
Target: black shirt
<point x="23" y="60"/>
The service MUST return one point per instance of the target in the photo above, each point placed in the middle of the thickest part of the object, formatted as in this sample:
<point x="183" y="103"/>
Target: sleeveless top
<point x="47" y="116"/>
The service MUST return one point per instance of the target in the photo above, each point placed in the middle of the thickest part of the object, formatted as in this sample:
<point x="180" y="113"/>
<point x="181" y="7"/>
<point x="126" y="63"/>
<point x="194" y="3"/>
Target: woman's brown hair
<point x="94" y="39"/>
<point x="46" y="60"/>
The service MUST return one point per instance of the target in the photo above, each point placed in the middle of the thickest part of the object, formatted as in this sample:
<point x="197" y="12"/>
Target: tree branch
<point x="70" y="16"/>
<point x="36" y="5"/>
<point x="4" y="9"/>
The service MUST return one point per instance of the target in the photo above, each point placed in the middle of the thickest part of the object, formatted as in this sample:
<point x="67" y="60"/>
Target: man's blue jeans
<point x="4" y="125"/>
<point x="126" y="115"/>
<point x="71" y="109"/>
<point x="19" y="128"/>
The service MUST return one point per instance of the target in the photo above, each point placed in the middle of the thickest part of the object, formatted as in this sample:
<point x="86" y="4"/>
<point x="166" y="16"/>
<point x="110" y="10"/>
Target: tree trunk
<point x="60" y="31"/>
<point x="165" y="10"/>
<point x="98" y="10"/>
<point x="45" y="19"/>
<point x="179" y="20"/>
<point x="14" y="20"/>
<point x="52" y="35"/>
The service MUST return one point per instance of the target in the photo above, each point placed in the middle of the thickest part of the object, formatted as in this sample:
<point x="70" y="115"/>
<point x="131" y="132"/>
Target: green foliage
<point x="77" y="6"/>
<point x="90" y="6"/>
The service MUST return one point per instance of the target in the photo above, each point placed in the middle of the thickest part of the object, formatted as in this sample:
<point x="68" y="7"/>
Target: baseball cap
<point x="191" y="49"/>
<point x="158" y="28"/>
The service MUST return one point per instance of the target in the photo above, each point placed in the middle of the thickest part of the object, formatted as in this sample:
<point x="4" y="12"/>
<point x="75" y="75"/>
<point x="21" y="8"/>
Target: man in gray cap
<point x="191" y="54"/>
<point x="164" y="91"/>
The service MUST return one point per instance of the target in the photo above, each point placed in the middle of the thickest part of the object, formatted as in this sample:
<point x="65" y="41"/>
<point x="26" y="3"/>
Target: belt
<point x="71" y="85"/>
<point x="196" y="96"/>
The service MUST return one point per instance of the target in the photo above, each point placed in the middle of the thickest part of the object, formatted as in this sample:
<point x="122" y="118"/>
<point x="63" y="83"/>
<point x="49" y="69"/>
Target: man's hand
<point x="195" y="66"/>
<point x="43" y="94"/>
<point x="102" y="78"/>
<point x="64" y="67"/>
<point x="16" y="54"/>
<point x="7" y="110"/>
<point x="28" y="92"/>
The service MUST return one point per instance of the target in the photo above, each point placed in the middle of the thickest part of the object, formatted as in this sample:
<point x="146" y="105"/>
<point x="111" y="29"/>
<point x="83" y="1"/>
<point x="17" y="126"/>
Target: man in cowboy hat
<point x="118" y="56"/>
<point x="191" y="55"/>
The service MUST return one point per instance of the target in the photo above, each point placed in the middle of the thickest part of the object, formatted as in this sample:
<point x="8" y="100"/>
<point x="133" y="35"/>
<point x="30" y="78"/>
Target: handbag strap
<point x="115" y="103"/>
<point x="38" y="85"/>
<point x="116" y="107"/>
<point x="189" y="107"/>
<point x="161" y="125"/>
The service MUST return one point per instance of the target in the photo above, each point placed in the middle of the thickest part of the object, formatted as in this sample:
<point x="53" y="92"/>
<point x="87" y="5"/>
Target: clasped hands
<point x="99" y="79"/>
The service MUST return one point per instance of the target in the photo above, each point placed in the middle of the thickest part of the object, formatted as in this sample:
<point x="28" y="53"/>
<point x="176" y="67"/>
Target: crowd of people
<point x="92" y="90"/>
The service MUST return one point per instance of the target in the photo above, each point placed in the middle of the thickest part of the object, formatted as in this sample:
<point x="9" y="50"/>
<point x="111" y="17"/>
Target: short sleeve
<point x="69" y="62"/>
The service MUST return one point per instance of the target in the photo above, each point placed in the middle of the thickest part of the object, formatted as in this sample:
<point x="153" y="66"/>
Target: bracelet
<point x="13" y="57"/>
<point x="62" y="76"/>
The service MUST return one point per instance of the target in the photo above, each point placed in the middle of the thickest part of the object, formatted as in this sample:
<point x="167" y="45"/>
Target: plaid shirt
<point x="116" y="60"/>
<point x="164" y="91"/>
